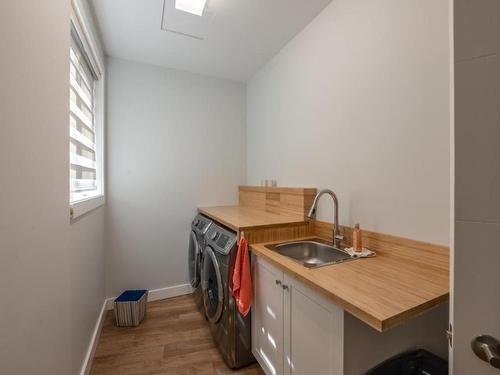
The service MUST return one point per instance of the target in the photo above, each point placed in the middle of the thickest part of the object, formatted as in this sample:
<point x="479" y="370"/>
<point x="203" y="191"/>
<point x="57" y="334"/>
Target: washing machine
<point x="199" y="228"/>
<point x="231" y="330"/>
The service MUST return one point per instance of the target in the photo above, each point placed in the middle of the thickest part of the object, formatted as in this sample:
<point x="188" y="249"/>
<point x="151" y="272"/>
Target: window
<point x="85" y="122"/>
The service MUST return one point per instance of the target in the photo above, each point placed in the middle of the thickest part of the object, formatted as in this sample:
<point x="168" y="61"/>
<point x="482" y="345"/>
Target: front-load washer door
<point x="194" y="260"/>
<point x="211" y="283"/>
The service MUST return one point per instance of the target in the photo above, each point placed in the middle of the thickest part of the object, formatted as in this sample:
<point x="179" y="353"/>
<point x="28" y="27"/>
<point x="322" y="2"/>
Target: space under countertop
<point x="387" y="290"/>
<point x="241" y="217"/>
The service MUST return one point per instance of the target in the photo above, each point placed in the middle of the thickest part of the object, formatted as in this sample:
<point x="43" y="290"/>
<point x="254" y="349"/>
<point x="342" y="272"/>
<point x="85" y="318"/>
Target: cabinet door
<point x="313" y="332"/>
<point x="267" y="317"/>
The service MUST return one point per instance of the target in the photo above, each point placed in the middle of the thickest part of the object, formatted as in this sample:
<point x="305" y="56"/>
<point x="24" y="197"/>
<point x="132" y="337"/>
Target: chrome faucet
<point x="312" y="214"/>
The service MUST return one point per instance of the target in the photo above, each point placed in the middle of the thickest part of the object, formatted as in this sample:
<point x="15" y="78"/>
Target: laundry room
<point x="249" y="187"/>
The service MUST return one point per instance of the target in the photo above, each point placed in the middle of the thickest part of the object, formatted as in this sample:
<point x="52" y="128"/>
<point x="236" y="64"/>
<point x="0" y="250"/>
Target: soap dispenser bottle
<point x="357" y="239"/>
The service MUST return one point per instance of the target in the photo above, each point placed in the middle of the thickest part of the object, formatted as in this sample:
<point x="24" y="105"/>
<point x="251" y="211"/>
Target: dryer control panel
<point x="221" y="239"/>
<point x="201" y="224"/>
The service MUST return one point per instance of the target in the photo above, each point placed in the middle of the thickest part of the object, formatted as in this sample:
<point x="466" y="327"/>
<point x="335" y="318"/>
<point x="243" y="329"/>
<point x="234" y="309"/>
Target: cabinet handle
<point x="285" y="287"/>
<point x="278" y="282"/>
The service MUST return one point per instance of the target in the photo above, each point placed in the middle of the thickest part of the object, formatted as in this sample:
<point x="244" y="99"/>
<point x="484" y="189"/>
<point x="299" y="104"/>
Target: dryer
<point x="231" y="330"/>
<point x="199" y="228"/>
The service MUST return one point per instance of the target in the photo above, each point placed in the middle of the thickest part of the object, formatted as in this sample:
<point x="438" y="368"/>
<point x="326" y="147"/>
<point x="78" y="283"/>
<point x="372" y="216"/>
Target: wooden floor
<point x="173" y="339"/>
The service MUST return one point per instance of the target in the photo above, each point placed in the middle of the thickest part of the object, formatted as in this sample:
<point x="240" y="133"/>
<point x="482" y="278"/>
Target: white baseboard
<point x="89" y="356"/>
<point x="159" y="294"/>
<point x="169" y="292"/>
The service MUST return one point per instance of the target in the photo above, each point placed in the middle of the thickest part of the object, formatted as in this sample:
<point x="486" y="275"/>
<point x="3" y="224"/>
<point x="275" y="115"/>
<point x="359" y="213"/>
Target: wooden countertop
<point x="240" y="218"/>
<point x="383" y="291"/>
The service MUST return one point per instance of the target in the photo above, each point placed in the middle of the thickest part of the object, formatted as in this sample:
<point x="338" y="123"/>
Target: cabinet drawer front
<point x="267" y="317"/>
<point x="313" y="332"/>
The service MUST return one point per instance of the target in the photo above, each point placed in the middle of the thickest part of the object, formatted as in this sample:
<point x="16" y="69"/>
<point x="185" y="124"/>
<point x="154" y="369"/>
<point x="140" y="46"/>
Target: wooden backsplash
<point x="387" y="244"/>
<point x="278" y="200"/>
<point x="298" y="201"/>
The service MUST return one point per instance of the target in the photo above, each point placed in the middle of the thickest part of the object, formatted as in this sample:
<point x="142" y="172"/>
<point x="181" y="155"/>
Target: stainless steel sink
<point x="311" y="253"/>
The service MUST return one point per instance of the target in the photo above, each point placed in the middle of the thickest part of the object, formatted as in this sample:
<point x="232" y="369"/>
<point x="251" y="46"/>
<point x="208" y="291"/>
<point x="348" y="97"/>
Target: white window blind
<point x="83" y="150"/>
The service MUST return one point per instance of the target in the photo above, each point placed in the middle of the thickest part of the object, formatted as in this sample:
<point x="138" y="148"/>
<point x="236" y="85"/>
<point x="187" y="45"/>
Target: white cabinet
<point x="267" y="317"/>
<point x="313" y="331"/>
<point x="295" y="329"/>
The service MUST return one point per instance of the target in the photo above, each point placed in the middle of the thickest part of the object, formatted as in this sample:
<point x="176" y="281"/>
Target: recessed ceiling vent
<point x="187" y="18"/>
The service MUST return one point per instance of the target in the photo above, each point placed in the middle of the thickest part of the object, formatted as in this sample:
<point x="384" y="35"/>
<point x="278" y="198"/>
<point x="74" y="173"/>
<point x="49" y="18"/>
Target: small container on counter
<point x="357" y="239"/>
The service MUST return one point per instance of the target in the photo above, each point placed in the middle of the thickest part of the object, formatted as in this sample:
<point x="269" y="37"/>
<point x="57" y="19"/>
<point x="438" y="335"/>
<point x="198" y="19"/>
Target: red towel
<point x="242" y="278"/>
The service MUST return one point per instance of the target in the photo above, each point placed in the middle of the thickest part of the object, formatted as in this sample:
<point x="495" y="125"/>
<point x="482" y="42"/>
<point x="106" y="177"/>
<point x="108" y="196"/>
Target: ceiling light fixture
<point x="191" y="6"/>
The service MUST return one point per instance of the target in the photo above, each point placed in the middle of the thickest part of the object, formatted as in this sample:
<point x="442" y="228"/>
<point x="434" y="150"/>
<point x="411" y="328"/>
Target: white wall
<point x="51" y="273"/>
<point x="359" y="102"/>
<point x="87" y="288"/>
<point x="176" y="141"/>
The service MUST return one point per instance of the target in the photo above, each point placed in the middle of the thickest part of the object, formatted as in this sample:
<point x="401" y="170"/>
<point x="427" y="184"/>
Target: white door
<point x="267" y="317"/>
<point x="475" y="307"/>
<point x="313" y="333"/>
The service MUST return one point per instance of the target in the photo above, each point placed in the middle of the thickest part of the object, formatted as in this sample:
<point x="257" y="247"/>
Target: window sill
<point x="80" y="208"/>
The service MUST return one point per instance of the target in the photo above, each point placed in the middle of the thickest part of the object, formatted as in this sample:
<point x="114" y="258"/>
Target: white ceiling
<point x="242" y="36"/>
